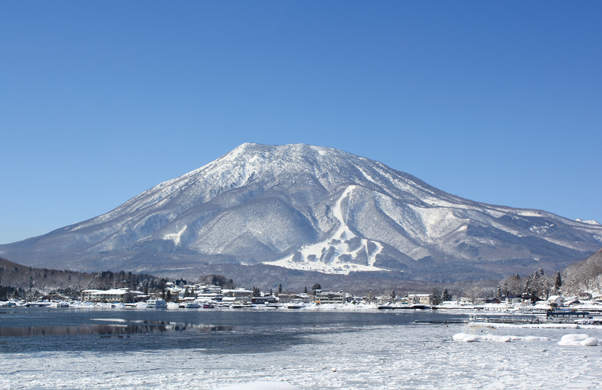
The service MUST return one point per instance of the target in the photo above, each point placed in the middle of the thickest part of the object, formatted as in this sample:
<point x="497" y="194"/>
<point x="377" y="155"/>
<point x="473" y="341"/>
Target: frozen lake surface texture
<point x="47" y="349"/>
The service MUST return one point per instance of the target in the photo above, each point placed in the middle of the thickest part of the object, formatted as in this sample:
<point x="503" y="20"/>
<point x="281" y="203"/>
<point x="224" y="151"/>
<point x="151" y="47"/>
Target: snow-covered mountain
<point x="310" y="208"/>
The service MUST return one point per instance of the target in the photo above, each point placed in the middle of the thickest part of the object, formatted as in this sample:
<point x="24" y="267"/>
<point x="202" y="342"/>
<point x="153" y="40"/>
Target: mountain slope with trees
<point x="584" y="276"/>
<point x="19" y="281"/>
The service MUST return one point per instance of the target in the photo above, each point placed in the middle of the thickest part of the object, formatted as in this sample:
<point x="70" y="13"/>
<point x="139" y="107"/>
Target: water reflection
<point x="142" y="327"/>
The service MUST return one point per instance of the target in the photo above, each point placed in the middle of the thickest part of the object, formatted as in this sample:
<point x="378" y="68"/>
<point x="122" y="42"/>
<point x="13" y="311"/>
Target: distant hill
<point x="21" y="276"/>
<point x="43" y="280"/>
<point x="584" y="276"/>
<point x="300" y="211"/>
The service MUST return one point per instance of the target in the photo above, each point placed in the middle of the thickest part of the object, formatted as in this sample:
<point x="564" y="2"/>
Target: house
<point x="529" y="298"/>
<point x="237" y="296"/>
<point x="556" y="300"/>
<point x="513" y="299"/>
<point x="301" y="297"/>
<point x="422" y="299"/>
<point x="174" y="294"/>
<point x="572" y="302"/>
<point x="585" y="296"/>
<point x="54" y="297"/>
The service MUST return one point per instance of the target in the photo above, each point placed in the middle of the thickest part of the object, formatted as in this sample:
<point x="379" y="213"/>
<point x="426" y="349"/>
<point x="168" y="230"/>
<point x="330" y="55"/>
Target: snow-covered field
<point x="387" y="357"/>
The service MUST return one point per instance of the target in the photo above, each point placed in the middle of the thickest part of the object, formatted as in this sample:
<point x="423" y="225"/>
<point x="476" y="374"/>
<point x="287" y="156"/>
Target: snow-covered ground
<point x="381" y="357"/>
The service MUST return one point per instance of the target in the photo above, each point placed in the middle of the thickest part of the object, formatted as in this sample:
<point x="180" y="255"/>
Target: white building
<point x="422" y="299"/>
<point x="323" y="297"/>
<point x="208" y="293"/>
<point x="238" y="293"/>
<point x="114" y="295"/>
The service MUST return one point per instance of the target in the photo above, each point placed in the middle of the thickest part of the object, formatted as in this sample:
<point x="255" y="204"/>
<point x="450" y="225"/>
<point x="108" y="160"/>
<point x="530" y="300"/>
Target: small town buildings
<point x="208" y="293"/>
<point x="237" y="293"/>
<point x="263" y="300"/>
<point x="236" y="296"/>
<point x="290" y="297"/>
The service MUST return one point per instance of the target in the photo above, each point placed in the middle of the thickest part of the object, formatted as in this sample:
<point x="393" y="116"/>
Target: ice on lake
<point x="369" y="357"/>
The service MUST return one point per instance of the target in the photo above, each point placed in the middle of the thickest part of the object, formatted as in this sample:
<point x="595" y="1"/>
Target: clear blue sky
<point x="498" y="102"/>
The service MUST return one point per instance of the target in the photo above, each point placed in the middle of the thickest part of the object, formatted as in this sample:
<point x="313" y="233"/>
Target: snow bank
<point x="542" y="326"/>
<point x="500" y="339"/>
<point x="578" y="340"/>
<point x="261" y="386"/>
<point x="566" y="340"/>
<point x="589" y="342"/>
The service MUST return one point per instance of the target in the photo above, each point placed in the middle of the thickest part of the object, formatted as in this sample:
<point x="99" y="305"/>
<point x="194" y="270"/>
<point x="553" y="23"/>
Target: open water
<point x="211" y="330"/>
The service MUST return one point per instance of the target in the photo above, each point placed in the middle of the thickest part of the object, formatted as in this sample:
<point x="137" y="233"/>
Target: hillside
<point x="585" y="275"/>
<point x="29" y="281"/>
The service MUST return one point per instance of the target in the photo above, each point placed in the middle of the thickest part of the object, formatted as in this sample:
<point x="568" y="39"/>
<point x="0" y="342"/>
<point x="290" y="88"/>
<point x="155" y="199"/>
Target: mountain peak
<point x="286" y="152"/>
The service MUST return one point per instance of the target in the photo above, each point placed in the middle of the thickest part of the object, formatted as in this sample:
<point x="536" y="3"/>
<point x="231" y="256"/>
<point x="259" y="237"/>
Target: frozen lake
<point x="311" y="350"/>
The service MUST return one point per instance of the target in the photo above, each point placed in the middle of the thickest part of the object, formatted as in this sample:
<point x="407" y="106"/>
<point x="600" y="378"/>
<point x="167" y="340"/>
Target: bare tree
<point x="474" y="293"/>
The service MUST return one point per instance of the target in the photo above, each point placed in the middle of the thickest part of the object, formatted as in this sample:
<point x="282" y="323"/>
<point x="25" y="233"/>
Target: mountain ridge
<point x="311" y="208"/>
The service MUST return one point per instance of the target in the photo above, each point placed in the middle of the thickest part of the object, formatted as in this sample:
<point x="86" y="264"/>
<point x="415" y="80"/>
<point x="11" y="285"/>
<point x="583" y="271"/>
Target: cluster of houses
<point x="241" y="296"/>
<point x="211" y="293"/>
<point x="553" y="300"/>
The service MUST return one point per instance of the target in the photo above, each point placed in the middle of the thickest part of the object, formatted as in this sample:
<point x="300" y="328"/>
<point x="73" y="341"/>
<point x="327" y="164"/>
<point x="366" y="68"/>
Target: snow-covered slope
<point x="311" y="208"/>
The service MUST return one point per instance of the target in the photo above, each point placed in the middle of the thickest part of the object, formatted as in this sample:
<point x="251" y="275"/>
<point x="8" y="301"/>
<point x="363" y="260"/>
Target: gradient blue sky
<point x="498" y="102"/>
